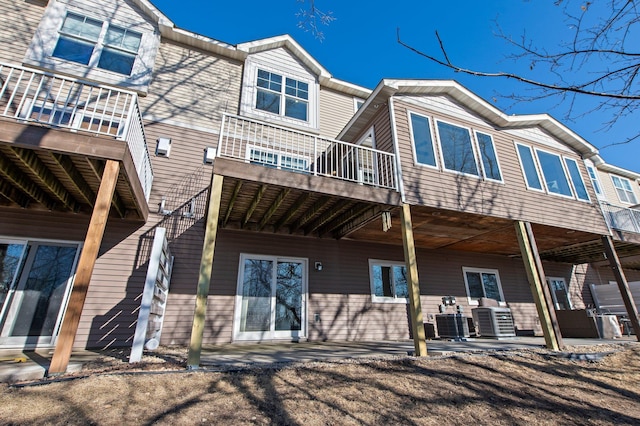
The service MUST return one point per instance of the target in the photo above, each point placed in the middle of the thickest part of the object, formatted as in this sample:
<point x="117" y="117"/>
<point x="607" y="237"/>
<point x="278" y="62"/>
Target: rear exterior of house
<point x="309" y="194"/>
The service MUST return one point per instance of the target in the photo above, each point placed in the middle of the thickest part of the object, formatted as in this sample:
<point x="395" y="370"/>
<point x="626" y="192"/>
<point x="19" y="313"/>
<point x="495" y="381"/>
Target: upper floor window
<point x="576" y="179"/>
<point x="357" y="104"/>
<point x="595" y="181"/>
<point x="422" y="140"/>
<point x="85" y="41"/>
<point x="290" y="99"/>
<point x="560" y="175"/>
<point x="388" y="281"/>
<point x="457" y="149"/>
<point x="624" y="189"/>
<point x="529" y="168"/>
<point x="488" y="156"/>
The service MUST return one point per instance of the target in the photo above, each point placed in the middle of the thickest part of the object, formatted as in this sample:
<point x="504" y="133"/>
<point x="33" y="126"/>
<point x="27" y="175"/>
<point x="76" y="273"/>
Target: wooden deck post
<point x="204" y="278"/>
<point x="86" y="263"/>
<point x="539" y="288"/>
<point x="623" y="285"/>
<point x="415" y="307"/>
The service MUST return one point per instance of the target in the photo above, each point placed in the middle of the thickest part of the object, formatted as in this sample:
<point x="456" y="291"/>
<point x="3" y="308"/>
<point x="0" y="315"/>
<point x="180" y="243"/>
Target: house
<point x="156" y="179"/>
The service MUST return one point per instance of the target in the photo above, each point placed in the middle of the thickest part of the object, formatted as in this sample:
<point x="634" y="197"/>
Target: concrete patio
<point x="16" y="366"/>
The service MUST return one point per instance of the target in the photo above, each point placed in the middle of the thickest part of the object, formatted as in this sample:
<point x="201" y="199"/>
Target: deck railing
<point x="621" y="218"/>
<point x="31" y="95"/>
<point x="269" y="145"/>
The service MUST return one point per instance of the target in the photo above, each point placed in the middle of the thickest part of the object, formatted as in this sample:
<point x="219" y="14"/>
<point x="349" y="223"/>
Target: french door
<point x="35" y="280"/>
<point x="271" y="298"/>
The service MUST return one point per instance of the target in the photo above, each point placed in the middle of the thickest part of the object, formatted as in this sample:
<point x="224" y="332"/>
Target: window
<point x="529" y="167"/>
<point x="388" y="281"/>
<point x="559" y="293"/>
<point x="555" y="178"/>
<point x="277" y="160"/>
<point x="422" y="140"/>
<point x="357" y="104"/>
<point x="457" y="149"/>
<point x="482" y="283"/>
<point x="490" y="166"/>
<point x="291" y="102"/>
<point x="595" y="181"/>
<point x="79" y="41"/>
<point x="624" y="189"/>
<point x="576" y="178"/>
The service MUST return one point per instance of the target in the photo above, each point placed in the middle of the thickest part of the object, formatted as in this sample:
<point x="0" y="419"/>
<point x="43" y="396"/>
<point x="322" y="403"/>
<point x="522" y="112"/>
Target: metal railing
<point x="36" y="96"/>
<point x="269" y="145"/>
<point x="621" y="218"/>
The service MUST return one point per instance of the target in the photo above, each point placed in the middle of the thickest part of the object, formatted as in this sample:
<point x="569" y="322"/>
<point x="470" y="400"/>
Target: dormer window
<point x="290" y="99"/>
<point x="85" y="41"/>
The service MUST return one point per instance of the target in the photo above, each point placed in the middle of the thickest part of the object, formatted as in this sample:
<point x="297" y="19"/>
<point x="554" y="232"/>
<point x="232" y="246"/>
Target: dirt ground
<point x="505" y="387"/>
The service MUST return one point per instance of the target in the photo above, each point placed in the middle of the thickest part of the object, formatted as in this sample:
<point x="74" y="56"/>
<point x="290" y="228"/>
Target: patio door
<point x="271" y="298"/>
<point x="35" y="279"/>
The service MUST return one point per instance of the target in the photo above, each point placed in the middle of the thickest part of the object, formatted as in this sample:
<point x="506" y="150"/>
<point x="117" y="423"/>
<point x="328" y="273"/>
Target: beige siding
<point x="610" y="191"/>
<point x="427" y="186"/>
<point x="192" y="88"/>
<point x="18" y="20"/>
<point x="336" y="109"/>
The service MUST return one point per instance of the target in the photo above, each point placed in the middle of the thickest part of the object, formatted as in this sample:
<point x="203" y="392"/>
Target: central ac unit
<point x="452" y="326"/>
<point x="493" y="321"/>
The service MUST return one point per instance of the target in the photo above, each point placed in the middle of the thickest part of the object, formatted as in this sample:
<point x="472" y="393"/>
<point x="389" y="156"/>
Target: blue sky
<point x="360" y="47"/>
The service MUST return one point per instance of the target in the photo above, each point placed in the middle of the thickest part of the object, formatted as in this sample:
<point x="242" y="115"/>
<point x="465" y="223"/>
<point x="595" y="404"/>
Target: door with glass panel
<point x="35" y="279"/>
<point x="271" y="297"/>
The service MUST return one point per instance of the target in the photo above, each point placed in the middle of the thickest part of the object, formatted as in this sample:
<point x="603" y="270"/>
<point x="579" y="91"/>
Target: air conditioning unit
<point x="493" y="321"/>
<point x="452" y="326"/>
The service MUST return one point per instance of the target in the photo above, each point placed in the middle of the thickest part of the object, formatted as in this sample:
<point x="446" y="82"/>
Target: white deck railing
<point x="36" y="96"/>
<point x="621" y="218"/>
<point x="257" y="142"/>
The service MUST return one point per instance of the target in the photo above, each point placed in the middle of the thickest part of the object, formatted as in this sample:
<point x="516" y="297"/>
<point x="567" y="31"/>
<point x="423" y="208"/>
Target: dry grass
<point x="517" y="387"/>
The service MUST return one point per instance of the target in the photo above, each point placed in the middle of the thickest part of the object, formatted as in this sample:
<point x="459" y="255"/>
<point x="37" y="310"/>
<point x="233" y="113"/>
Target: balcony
<point x="621" y="218"/>
<point x="77" y="124"/>
<point x="257" y="142"/>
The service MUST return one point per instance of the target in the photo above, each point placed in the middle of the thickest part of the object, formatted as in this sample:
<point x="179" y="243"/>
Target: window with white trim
<point x="456" y="148"/>
<point x="529" y="169"/>
<point x="624" y="189"/>
<point x="423" y="147"/>
<point x="490" y="166"/>
<point x="481" y="283"/>
<point x="595" y="181"/>
<point x="555" y="178"/>
<point x="277" y="159"/>
<point x="561" y="175"/>
<point x="579" y="187"/>
<point x="357" y="104"/>
<point x="290" y="99"/>
<point x="389" y="282"/>
<point x="90" y="41"/>
<point x="559" y="293"/>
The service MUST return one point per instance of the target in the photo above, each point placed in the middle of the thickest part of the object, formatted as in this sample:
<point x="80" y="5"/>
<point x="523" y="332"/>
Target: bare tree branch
<point x="310" y="18"/>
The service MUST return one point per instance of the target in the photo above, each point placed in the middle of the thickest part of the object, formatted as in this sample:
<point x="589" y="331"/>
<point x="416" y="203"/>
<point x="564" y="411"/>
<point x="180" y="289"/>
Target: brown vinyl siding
<point x="192" y="87"/>
<point x="511" y="199"/>
<point x="18" y="20"/>
<point x="335" y="111"/>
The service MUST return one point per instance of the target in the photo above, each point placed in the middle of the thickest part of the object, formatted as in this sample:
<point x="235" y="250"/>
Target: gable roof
<point x="454" y="90"/>
<point x="170" y="31"/>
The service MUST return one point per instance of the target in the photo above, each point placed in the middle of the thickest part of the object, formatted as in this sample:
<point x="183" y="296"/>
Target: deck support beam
<point x="204" y="278"/>
<point x="86" y="263"/>
<point x="539" y="288"/>
<point x="415" y="306"/>
<point x="623" y="285"/>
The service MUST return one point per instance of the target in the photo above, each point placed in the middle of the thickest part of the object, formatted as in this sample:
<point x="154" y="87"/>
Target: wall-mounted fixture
<point x="209" y="155"/>
<point x="318" y="266"/>
<point x="163" y="147"/>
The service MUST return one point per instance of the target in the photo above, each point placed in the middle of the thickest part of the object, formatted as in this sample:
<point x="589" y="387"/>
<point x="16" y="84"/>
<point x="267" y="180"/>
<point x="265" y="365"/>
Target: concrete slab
<point x="263" y="354"/>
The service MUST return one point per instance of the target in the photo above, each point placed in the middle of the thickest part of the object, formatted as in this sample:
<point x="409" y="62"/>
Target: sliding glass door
<point x="270" y="302"/>
<point x="35" y="279"/>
